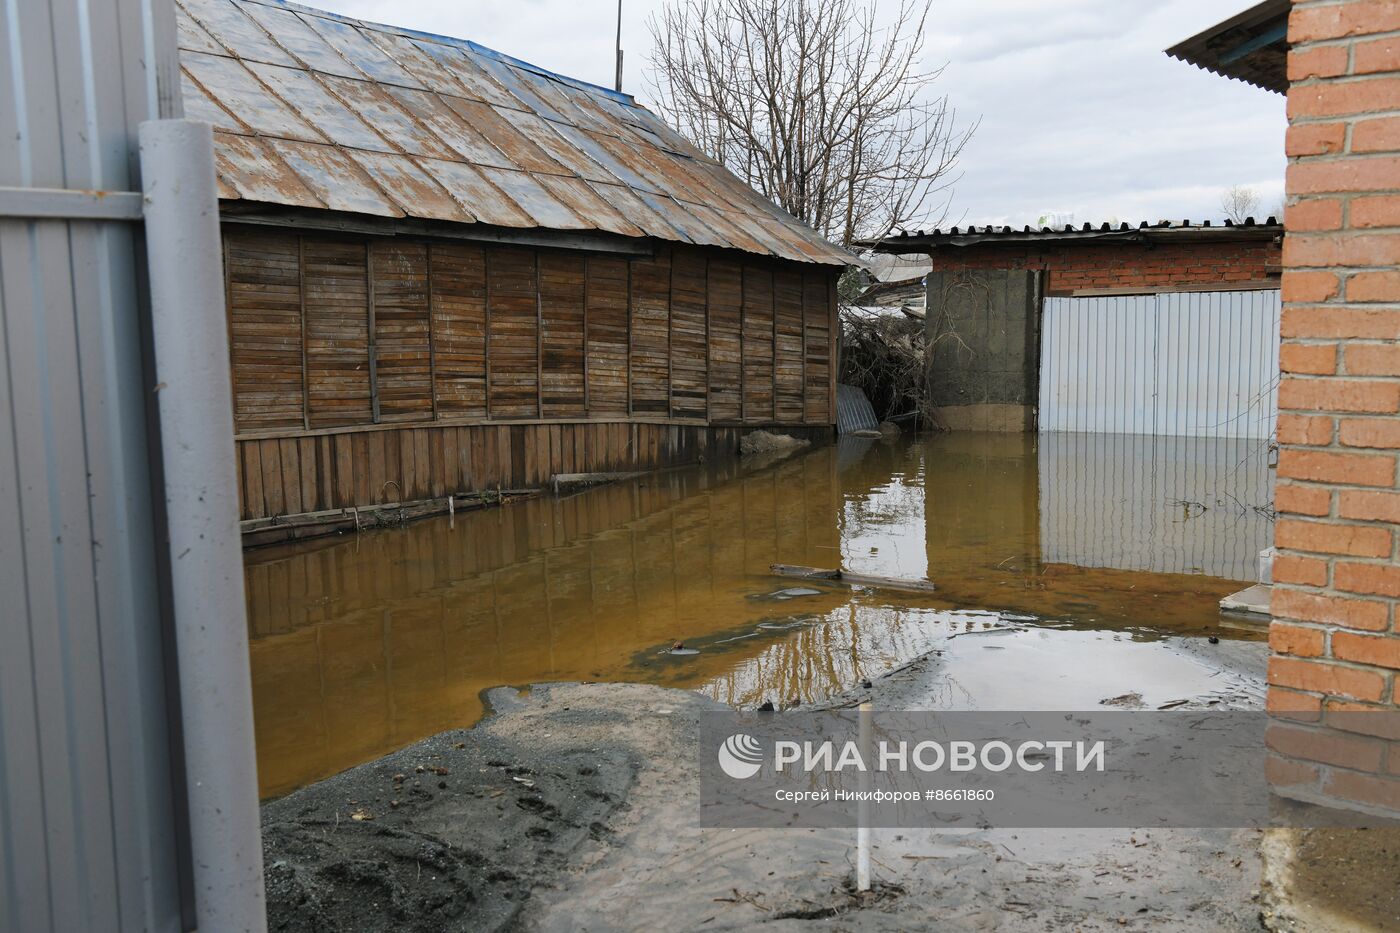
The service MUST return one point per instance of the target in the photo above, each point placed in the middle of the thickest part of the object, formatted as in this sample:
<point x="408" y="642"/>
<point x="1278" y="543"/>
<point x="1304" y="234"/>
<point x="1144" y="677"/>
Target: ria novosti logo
<point x="740" y="756"/>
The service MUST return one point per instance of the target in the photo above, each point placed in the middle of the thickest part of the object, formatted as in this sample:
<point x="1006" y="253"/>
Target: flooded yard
<point x="1074" y="560"/>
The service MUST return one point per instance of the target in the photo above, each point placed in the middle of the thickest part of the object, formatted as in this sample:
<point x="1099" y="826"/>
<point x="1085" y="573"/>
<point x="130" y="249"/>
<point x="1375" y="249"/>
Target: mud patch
<point x="449" y="834"/>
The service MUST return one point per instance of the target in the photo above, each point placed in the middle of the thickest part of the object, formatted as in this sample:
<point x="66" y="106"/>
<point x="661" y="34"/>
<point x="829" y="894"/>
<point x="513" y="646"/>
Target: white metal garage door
<point x="1192" y="364"/>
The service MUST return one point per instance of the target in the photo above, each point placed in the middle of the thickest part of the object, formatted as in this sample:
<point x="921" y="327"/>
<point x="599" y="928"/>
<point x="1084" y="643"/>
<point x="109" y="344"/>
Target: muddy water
<point x="363" y="644"/>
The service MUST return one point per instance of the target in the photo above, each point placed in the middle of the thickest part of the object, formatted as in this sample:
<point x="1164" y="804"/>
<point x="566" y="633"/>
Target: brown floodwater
<point x="365" y="643"/>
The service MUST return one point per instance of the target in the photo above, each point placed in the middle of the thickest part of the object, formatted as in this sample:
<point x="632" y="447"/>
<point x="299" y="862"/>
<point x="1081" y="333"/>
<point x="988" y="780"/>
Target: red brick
<point x="1325" y="746"/>
<point x="1370" y="506"/>
<point x="1308" y="430"/>
<point x="1321" y="677"/>
<point x="1311" y="359"/>
<point x="1313" y="215"/>
<point x="1309" y="24"/>
<point x="1376" y="211"/>
<point x="1379" y="135"/>
<point x="1301" y="500"/>
<point x="1373" y="359"/>
<point x="1302" y="571"/>
<point x="1370" y="57"/>
<point x="1310" y="139"/>
<point x="1347" y="612"/>
<point x="1380" y="721"/>
<point x="1309" y="286"/>
<point x="1371" y="579"/>
<point x="1326" y="61"/>
<point x="1296" y="640"/>
<point x="1334" y="249"/>
<point x="1373" y="286"/>
<point x="1371" y="789"/>
<point x="1311" y="321"/>
<point x="1349" y="469"/>
<point x="1284" y="772"/>
<point x="1339" y="395"/>
<point x="1335" y="99"/>
<point x="1378" y="650"/>
<point x="1331" y="538"/>
<point x="1279" y="700"/>
<point x="1383" y="433"/>
<point x="1373" y="173"/>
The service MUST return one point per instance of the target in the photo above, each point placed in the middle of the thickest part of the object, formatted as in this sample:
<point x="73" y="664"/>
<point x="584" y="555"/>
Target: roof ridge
<point x="457" y="42"/>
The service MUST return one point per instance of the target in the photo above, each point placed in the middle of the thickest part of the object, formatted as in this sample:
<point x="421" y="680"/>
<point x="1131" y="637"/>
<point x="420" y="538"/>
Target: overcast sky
<point x="1082" y="114"/>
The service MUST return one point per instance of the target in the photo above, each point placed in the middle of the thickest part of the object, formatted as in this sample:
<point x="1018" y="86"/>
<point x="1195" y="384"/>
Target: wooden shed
<point x="449" y="270"/>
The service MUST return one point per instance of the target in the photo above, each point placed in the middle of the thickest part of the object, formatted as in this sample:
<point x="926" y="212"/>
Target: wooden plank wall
<point x="289" y="475"/>
<point x="330" y="333"/>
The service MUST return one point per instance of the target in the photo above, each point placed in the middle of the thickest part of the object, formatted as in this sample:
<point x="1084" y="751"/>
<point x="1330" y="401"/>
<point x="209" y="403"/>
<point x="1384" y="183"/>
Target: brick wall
<point x="1073" y="266"/>
<point x="1335" y="643"/>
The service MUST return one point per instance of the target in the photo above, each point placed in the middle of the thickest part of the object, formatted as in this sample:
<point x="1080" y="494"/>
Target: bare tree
<point x="821" y="106"/>
<point x="1239" y="203"/>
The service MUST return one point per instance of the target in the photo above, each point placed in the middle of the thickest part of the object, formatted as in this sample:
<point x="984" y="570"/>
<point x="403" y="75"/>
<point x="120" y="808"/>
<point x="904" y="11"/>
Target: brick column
<point x="1337" y="576"/>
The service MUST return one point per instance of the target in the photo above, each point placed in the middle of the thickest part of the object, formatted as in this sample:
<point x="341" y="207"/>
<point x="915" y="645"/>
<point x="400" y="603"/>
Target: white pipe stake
<point x="863" y="806"/>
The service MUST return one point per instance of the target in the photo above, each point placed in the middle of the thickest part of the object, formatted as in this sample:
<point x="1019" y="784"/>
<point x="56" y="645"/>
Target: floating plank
<point x="819" y="575"/>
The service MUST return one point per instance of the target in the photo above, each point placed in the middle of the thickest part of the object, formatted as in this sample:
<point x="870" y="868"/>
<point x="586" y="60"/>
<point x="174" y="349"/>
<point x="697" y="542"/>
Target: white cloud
<point x="1081" y="110"/>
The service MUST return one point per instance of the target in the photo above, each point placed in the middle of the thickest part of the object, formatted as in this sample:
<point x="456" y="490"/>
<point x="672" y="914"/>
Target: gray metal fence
<point x="106" y="792"/>
<point x="1192" y="364"/>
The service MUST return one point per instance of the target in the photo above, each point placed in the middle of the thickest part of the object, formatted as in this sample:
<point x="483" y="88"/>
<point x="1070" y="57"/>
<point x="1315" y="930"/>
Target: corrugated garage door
<point x="1189" y="364"/>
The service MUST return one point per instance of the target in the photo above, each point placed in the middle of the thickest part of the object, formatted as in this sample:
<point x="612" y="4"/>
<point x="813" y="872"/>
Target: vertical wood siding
<point x="333" y="333"/>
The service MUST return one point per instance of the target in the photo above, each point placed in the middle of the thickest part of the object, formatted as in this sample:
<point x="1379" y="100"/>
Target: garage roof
<point x="1251" y="47"/>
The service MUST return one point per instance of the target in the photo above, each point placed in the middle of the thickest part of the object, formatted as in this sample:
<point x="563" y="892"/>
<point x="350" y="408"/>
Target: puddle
<point x="1079" y="544"/>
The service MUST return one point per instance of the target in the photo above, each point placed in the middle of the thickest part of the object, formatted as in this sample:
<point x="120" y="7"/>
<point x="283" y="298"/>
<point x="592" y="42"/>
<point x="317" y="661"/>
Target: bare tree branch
<point x="821" y="107"/>
<point x="1239" y="203"/>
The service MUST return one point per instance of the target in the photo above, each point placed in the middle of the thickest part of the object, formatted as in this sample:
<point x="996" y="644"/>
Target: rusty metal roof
<point x="1162" y="231"/>
<point x="314" y="110"/>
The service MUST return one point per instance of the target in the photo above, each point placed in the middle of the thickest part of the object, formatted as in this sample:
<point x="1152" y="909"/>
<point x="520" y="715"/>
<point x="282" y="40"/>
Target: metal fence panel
<point x="1189" y="364"/>
<point x="88" y="819"/>
<point x="1194" y="505"/>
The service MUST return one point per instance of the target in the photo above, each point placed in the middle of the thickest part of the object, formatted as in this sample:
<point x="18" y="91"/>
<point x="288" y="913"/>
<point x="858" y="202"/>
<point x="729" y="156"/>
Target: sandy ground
<point x="573" y="808"/>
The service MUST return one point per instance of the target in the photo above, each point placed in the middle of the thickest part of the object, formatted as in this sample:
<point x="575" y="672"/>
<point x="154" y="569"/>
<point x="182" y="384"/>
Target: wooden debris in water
<point x="851" y="579"/>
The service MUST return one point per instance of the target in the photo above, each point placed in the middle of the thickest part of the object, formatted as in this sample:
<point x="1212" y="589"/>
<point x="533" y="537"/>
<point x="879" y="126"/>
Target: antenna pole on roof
<point x="618" y="84"/>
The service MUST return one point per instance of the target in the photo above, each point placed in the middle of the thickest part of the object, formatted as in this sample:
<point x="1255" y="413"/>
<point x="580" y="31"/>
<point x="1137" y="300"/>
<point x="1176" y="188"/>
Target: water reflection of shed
<point x="448" y="269"/>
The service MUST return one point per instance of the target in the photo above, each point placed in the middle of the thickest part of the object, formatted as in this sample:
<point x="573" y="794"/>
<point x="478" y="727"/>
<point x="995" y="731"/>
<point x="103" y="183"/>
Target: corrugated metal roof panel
<point x="545" y="208"/>
<point x="335" y="178"/>
<point x="313" y="103"/>
<point x="246" y="165"/>
<point x="383" y="113"/>
<point x="227" y="23"/>
<point x="305" y="43"/>
<point x="586" y="202"/>
<point x="416" y="194"/>
<point x="488" y="203"/>
<point x="451" y="128"/>
<point x="354" y="47"/>
<point x="332" y="112"/>
<point x="233" y="86"/>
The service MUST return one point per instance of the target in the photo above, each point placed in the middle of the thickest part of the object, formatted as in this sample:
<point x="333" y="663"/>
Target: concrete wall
<point x="984" y="331"/>
<point x="1337" y="573"/>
